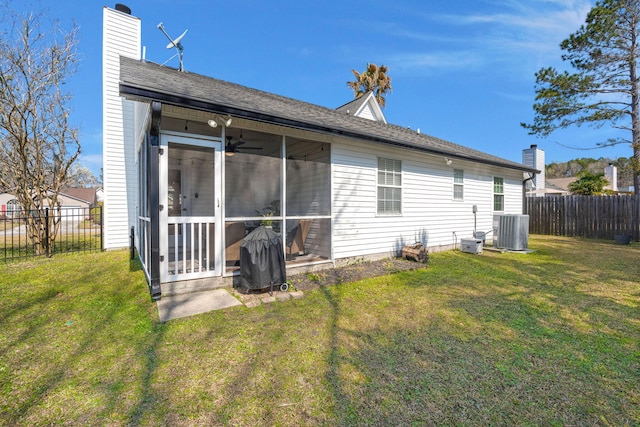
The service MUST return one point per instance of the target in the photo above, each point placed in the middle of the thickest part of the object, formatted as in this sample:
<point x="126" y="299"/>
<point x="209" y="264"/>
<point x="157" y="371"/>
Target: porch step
<point x="195" y="285"/>
<point x="177" y="306"/>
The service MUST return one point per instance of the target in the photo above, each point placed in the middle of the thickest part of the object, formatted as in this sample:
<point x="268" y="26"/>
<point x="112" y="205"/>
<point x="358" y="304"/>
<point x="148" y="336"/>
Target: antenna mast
<point x="175" y="44"/>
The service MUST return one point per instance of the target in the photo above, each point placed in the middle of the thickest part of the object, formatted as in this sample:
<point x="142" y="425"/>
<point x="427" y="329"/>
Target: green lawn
<point x="547" y="338"/>
<point x="19" y="246"/>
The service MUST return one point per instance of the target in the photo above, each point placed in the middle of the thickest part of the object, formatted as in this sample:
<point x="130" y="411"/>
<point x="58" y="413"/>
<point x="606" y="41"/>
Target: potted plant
<point x="268" y="212"/>
<point x="622" y="238"/>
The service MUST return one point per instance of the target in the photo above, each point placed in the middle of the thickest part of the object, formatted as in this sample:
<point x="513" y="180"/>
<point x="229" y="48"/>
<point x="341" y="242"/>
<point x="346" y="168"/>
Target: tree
<point x="81" y="176"/>
<point x="603" y="90"/>
<point x="589" y="184"/>
<point x="373" y="79"/>
<point x="594" y="166"/>
<point x="38" y="144"/>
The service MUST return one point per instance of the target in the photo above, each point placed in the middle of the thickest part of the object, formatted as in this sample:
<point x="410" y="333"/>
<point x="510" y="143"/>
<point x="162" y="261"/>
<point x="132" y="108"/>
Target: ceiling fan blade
<point x="234" y="146"/>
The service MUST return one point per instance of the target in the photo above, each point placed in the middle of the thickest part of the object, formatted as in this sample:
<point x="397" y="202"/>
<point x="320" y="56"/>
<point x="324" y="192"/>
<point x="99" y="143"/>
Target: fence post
<point x="101" y="210"/>
<point x="46" y="233"/>
<point x="132" y="247"/>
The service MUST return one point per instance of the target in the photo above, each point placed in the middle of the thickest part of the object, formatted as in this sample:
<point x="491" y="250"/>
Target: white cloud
<point x="540" y="25"/>
<point x="443" y="60"/>
<point x="522" y="33"/>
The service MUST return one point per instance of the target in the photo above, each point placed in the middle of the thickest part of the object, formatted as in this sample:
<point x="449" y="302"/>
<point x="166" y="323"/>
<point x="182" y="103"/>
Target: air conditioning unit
<point x="512" y="232"/>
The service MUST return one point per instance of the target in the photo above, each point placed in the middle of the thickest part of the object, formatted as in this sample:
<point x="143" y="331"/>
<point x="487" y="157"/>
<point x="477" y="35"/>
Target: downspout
<point x="524" y="192"/>
<point x="154" y="199"/>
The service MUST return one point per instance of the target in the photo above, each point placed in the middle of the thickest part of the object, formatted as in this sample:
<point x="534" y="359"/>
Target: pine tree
<point x="603" y="90"/>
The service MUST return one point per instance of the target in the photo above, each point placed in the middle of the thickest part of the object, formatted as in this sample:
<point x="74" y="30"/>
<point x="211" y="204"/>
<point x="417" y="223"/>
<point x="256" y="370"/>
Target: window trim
<point x="396" y="172"/>
<point x="498" y="194"/>
<point x="458" y="184"/>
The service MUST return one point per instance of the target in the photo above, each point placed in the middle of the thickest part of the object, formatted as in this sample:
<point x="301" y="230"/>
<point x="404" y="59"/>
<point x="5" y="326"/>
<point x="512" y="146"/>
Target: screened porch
<point x="215" y="194"/>
<point x="282" y="182"/>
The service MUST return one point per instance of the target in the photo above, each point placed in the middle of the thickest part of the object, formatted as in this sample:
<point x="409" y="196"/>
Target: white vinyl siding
<point x="458" y="184"/>
<point x="534" y="158"/>
<point x="121" y="36"/>
<point x="429" y="213"/>
<point x="367" y="113"/>
<point x="389" y="187"/>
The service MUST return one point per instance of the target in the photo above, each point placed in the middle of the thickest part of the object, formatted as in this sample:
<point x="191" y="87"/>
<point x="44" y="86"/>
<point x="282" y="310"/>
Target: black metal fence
<point x="61" y="231"/>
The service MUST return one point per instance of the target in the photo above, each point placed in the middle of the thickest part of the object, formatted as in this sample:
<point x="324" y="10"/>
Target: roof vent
<point x="122" y="8"/>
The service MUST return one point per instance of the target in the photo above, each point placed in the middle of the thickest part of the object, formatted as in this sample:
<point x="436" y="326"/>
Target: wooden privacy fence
<point x="598" y="217"/>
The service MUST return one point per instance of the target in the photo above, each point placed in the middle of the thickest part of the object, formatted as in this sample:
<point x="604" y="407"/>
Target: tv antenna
<point x="174" y="43"/>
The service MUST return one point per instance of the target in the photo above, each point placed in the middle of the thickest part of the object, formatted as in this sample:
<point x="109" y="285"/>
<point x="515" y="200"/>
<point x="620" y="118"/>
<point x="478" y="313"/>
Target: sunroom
<point x="219" y="178"/>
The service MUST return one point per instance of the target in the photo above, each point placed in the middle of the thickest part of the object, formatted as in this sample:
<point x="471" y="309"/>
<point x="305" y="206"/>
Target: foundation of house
<point x="199" y="285"/>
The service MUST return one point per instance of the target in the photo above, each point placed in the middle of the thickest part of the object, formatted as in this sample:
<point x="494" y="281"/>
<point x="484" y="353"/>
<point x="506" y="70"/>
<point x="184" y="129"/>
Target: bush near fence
<point x="597" y="217"/>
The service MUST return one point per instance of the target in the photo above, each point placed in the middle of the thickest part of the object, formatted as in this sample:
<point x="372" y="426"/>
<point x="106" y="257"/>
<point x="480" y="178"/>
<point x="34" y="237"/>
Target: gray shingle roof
<point x="145" y="80"/>
<point x="353" y="105"/>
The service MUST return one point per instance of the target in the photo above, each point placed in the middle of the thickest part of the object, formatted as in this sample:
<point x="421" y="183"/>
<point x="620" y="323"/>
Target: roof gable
<point x="365" y="106"/>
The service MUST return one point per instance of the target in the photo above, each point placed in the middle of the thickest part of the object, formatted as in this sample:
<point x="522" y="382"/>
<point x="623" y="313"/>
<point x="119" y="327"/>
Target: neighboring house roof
<point x="560" y="184"/>
<point x="363" y="106"/>
<point x="80" y="193"/>
<point x="63" y="197"/>
<point x="149" y="81"/>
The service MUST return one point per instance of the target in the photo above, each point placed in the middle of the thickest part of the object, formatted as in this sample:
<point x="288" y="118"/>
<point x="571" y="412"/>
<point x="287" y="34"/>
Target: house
<point x="541" y="186"/>
<point x="88" y="195"/>
<point x="560" y="186"/>
<point x="73" y="202"/>
<point x="192" y="164"/>
<point x="534" y="158"/>
<point x="9" y="205"/>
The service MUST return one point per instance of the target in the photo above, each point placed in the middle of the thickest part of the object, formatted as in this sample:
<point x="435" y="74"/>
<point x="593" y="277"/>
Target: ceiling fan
<point x="232" y="148"/>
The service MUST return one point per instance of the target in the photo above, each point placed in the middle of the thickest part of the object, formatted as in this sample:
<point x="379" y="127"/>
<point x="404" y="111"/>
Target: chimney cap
<point x="534" y="145"/>
<point x="123" y="8"/>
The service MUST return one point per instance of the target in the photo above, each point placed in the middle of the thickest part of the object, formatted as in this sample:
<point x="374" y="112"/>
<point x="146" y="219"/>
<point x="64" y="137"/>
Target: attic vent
<point x="122" y="8"/>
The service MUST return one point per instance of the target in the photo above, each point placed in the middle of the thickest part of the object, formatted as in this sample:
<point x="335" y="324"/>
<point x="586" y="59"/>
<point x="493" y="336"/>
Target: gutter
<point x="524" y="191"/>
<point x="182" y="101"/>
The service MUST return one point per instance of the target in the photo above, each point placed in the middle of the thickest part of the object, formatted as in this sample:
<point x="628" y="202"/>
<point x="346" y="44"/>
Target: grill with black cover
<point x="262" y="261"/>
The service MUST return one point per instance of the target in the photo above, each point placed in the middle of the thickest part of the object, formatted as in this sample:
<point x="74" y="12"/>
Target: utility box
<point x="471" y="246"/>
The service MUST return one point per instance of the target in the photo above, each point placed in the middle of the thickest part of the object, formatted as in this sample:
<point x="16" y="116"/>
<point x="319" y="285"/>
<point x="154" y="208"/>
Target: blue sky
<point x="462" y="70"/>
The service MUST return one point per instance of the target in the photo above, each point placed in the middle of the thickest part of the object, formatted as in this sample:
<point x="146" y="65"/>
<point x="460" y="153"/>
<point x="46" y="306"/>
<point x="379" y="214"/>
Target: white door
<point x="190" y="226"/>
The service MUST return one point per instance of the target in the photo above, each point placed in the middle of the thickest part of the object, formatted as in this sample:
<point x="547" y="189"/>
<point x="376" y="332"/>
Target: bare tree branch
<point x="39" y="145"/>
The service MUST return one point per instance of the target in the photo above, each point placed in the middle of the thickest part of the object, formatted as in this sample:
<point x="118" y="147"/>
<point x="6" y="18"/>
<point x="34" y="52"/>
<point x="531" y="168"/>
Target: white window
<point x="13" y="208"/>
<point x="389" y="187"/>
<point x="458" y="184"/>
<point x="498" y="193"/>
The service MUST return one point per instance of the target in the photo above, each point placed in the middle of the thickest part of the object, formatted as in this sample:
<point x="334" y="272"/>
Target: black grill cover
<point x="262" y="259"/>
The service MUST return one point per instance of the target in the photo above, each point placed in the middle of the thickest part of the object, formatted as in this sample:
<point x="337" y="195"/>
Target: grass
<point x="547" y="338"/>
<point x="8" y="224"/>
<point x="19" y="246"/>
